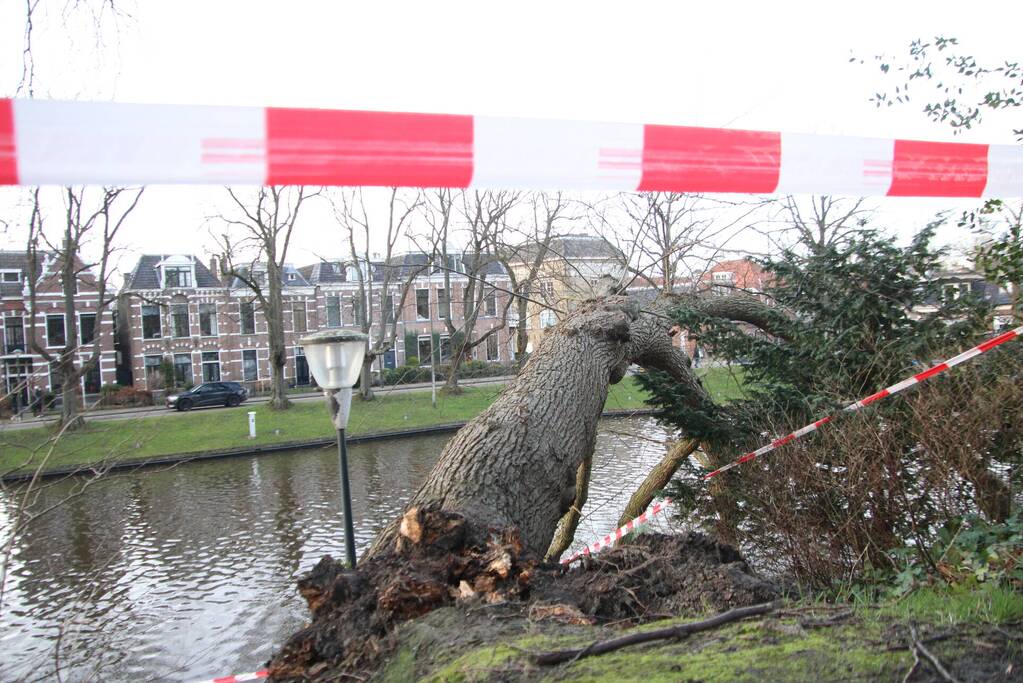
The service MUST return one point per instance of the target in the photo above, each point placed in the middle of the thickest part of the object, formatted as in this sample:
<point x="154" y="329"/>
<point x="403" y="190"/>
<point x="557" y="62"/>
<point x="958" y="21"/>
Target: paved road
<point x="162" y="411"/>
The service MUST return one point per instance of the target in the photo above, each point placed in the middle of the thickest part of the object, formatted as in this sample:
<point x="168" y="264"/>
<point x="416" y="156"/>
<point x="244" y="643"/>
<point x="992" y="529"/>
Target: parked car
<point x="209" y="394"/>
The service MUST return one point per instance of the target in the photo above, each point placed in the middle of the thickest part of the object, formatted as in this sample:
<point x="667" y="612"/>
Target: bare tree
<point x="484" y="214"/>
<point x="524" y="259"/>
<point x="60" y="262"/>
<point x="818" y="222"/>
<point x="264" y="226"/>
<point x="667" y="239"/>
<point x="350" y="212"/>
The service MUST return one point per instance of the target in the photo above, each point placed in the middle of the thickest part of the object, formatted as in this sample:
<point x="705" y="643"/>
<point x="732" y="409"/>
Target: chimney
<point x="214" y="266"/>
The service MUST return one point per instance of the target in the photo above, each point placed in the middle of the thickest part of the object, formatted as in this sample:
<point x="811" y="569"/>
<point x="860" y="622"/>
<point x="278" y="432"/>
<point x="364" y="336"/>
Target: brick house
<point x="22" y="369"/>
<point x="421" y="318"/>
<point x="178" y="319"/>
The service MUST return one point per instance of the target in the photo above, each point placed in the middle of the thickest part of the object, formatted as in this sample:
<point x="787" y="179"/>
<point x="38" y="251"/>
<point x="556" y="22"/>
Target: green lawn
<point x="224" y="428"/>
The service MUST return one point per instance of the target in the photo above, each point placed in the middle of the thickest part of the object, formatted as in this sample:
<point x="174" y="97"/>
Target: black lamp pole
<point x="346" y="499"/>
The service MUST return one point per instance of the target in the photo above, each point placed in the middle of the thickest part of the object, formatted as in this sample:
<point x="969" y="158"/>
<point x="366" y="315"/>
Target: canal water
<point x="189" y="572"/>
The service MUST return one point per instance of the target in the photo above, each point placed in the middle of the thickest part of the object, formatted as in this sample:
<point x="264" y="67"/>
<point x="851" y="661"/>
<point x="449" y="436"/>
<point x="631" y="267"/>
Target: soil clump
<point x="441" y="559"/>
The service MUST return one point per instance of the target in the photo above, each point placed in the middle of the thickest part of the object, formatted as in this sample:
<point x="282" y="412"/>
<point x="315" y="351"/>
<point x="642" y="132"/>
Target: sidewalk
<point x="160" y="410"/>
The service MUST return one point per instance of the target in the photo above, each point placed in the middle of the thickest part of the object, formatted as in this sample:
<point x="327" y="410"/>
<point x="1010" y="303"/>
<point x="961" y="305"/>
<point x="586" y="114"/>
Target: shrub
<point x="126" y="396"/>
<point x="874" y="483"/>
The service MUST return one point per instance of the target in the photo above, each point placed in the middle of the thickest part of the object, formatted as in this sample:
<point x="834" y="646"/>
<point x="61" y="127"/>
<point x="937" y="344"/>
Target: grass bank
<point x="973" y="633"/>
<point x="226" y="428"/>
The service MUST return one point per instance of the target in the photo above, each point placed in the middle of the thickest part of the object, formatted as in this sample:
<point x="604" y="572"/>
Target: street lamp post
<point x="335" y="361"/>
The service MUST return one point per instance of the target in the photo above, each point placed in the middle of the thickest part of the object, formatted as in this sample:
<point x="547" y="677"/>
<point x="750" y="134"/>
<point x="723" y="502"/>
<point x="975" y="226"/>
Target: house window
<point x="248" y="317"/>
<point x="87" y="328"/>
<point x="11" y="276"/>
<point x="177" y="276"/>
<point x="490" y="304"/>
<point x="547" y="290"/>
<point x="954" y="290"/>
<point x="423" y="304"/>
<point x="358" y="310"/>
<point x="183" y="368"/>
<point x="208" y="320"/>
<point x="250" y="370"/>
<point x="179" y="319"/>
<point x="210" y="366"/>
<point x="91" y="381"/>
<point x="55" y="330"/>
<point x="153" y="378"/>
<point x="547" y="318"/>
<point x="14" y="335"/>
<point x="445" y="349"/>
<point x="425" y="351"/>
<point x="333" y="311"/>
<point x="56" y="379"/>
<point x="492" y="347"/>
<point x="150" y="322"/>
<point x="388" y="309"/>
<point x="298" y="316"/>
<point x="443" y="303"/>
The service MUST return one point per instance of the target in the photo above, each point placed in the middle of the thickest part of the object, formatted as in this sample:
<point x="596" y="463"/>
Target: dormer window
<point x="291" y="277"/>
<point x="177" y="276"/>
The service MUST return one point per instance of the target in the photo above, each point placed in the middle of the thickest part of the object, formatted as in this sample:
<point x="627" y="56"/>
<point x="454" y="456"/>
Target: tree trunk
<point x="565" y="533"/>
<point x="70" y="407"/>
<point x="451" y="383"/>
<point x="517" y="463"/>
<point x="521" y="332"/>
<point x="657" y="479"/>
<point x="275" y="333"/>
<point x="366" y="377"/>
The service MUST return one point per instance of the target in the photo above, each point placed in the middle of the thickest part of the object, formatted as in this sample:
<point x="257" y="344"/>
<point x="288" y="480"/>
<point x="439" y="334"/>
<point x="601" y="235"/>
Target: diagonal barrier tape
<point x="933" y="371"/>
<point x="238" y="678"/>
<point x="67" y="143"/>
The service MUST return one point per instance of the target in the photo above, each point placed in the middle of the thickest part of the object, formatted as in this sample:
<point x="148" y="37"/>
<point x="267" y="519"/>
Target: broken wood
<point x="605" y="646"/>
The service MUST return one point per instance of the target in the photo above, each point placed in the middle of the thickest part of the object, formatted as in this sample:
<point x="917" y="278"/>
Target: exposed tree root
<point x="604" y="646"/>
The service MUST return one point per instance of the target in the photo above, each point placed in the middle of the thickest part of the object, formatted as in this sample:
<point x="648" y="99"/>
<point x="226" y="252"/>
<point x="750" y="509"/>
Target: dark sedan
<point x="209" y="394"/>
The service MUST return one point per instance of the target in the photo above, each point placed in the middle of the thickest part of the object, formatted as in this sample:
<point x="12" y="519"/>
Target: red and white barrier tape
<point x="612" y="538"/>
<point x="862" y="403"/>
<point x="969" y="354"/>
<point x="238" y="678"/>
<point x="64" y="143"/>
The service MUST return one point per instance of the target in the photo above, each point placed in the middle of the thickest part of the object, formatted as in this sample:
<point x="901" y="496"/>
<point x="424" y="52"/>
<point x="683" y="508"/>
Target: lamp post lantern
<point x="335" y="361"/>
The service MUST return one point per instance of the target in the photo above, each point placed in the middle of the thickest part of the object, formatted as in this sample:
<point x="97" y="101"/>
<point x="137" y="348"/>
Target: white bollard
<point x="252" y="424"/>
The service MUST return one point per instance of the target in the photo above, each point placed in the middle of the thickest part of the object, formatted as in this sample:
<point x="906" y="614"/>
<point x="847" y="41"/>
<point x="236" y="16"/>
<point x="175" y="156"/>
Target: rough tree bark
<point x="517" y="463"/>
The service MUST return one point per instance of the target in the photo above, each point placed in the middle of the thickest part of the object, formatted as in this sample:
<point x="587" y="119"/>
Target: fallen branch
<point x="934" y="661"/>
<point x="604" y="646"/>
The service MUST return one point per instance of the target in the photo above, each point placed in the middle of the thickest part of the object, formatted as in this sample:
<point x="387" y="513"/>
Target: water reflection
<point x="189" y="572"/>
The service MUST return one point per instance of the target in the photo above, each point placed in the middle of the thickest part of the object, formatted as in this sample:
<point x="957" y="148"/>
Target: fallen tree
<point x="487" y="512"/>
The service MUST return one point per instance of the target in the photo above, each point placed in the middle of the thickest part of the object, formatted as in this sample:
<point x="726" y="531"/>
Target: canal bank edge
<point x="195" y="456"/>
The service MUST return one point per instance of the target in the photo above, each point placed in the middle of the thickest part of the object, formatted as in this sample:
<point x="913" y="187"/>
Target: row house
<point x="959" y="280"/>
<point x="182" y="323"/>
<point x="24" y="369"/>
<point x="419" y="322"/>
<point x="573" y="268"/>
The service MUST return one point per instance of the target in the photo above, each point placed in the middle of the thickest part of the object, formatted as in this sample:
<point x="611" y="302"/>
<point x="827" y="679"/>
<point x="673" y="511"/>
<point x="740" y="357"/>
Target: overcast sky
<point x="777" y="66"/>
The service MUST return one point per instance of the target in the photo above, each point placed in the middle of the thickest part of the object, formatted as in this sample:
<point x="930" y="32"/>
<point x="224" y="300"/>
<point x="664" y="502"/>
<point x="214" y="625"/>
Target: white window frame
<point x="255" y="355"/>
<point x="63" y="322"/>
<point x="215" y="327"/>
<point x="95" y="328"/>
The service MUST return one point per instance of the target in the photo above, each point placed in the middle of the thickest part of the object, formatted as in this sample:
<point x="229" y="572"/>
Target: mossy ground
<point x="977" y="631"/>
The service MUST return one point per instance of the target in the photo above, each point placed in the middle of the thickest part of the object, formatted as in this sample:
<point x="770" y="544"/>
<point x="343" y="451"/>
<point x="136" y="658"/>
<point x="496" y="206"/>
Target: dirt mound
<point x="657" y="575"/>
<point x="439" y="559"/>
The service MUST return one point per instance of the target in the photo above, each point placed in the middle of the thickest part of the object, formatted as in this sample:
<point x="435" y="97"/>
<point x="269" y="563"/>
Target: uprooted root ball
<point x="440" y="559"/>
